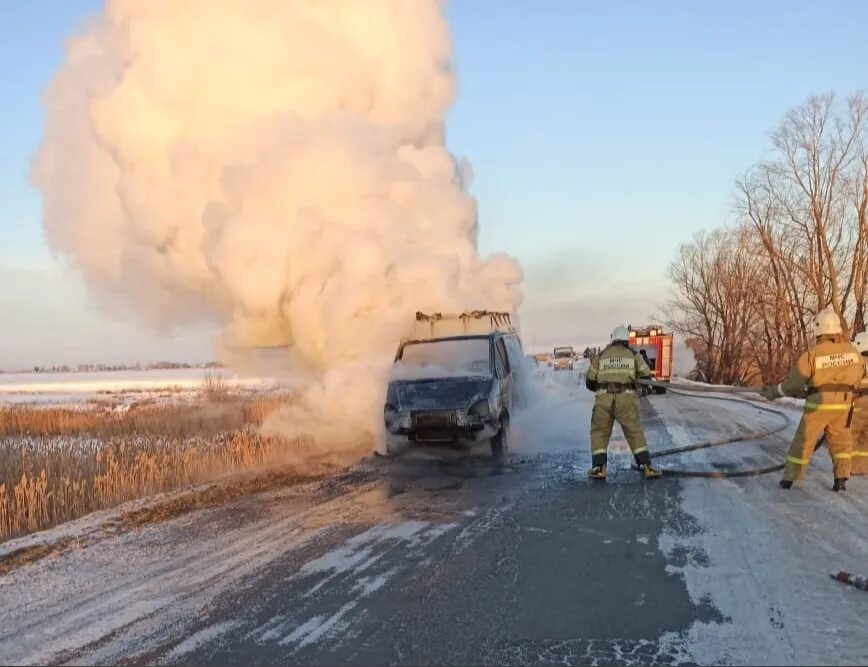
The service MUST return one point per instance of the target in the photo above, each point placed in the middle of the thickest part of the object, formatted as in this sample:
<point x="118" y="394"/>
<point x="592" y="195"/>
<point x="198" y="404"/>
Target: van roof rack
<point x="438" y="325"/>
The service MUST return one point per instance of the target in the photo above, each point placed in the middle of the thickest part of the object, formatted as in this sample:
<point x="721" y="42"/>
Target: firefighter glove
<point x="592" y="385"/>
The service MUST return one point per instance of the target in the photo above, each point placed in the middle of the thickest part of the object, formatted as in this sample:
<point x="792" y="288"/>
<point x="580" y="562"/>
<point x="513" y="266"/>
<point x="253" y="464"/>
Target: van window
<point x="514" y="352"/>
<point x="501" y="360"/>
<point x="445" y="357"/>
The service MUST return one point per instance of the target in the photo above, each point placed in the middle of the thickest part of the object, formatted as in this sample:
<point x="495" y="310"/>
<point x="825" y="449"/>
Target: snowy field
<point x="119" y="386"/>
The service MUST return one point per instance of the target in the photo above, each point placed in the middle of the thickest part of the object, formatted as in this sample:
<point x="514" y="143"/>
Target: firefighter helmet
<point x="827" y="323"/>
<point x="620" y="334"/>
<point x="861" y="342"/>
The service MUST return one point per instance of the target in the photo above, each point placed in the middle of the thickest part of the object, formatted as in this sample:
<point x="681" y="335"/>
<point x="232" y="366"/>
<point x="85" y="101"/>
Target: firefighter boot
<point x="786" y="484"/>
<point x="598" y="473"/>
<point x="649" y="471"/>
<point x="643" y="461"/>
<point x="840" y="484"/>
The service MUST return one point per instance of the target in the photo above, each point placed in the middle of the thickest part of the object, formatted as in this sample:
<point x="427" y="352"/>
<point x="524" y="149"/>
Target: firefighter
<point x="859" y="461"/>
<point x="827" y="375"/>
<point x="612" y="376"/>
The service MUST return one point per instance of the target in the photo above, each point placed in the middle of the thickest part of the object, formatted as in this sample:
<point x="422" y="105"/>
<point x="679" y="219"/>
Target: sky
<point x="601" y="136"/>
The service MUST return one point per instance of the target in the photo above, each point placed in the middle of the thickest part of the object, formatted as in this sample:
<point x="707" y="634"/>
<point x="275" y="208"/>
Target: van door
<point x="514" y="353"/>
<point x="504" y="373"/>
<point x="518" y="369"/>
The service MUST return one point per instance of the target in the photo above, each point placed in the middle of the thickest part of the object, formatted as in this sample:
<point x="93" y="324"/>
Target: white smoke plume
<point x="683" y="358"/>
<point x="278" y="167"/>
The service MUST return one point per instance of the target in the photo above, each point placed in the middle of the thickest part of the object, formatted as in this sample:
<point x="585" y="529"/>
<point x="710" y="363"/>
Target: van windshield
<point x="467" y="356"/>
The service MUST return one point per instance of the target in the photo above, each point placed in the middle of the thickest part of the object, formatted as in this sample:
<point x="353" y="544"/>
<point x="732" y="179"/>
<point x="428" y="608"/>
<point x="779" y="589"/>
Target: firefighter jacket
<point x="827" y="375"/>
<point x="860" y="428"/>
<point x="617" y="365"/>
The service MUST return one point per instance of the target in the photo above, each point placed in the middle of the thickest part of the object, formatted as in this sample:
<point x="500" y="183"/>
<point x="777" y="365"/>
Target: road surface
<point x="457" y="561"/>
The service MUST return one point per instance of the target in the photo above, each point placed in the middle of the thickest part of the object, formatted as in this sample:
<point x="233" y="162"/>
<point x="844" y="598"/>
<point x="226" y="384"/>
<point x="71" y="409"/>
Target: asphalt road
<point x="548" y="570"/>
<point x="429" y="561"/>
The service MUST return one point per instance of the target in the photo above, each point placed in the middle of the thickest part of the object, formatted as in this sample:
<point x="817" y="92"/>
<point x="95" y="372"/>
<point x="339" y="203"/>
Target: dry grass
<point x="176" y="420"/>
<point x="214" y="388"/>
<point x="56" y="465"/>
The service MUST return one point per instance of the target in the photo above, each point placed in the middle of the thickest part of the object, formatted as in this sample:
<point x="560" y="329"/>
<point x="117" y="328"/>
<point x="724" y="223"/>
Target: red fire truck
<point x="657" y="346"/>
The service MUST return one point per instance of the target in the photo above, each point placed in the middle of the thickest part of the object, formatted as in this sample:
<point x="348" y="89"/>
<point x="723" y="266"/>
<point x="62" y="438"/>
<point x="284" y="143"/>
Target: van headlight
<point x="480" y="409"/>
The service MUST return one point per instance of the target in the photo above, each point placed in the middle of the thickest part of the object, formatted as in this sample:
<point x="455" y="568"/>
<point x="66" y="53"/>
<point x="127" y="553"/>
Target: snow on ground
<point x="77" y="388"/>
<point x="764" y="555"/>
<point x="143" y="589"/>
<point x="169" y="578"/>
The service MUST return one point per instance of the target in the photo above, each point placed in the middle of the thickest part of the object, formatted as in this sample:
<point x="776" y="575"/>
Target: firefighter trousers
<point x="839" y="441"/>
<point x="859" y="460"/>
<point x="623" y="408"/>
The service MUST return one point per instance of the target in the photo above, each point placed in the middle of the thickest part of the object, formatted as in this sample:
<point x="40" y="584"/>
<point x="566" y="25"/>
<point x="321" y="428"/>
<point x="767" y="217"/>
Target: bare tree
<point x="745" y="296"/>
<point x="817" y="153"/>
<point x="856" y="188"/>
<point x="715" y="302"/>
<point x="781" y="331"/>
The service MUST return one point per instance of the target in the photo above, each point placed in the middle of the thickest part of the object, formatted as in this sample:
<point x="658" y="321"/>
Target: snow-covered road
<point x="763" y="555"/>
<point x="457" y="561"/>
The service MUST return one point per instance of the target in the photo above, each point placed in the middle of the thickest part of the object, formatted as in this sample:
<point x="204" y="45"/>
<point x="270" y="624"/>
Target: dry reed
<point x="56" y="465"/>
<point x="214" y="388"/>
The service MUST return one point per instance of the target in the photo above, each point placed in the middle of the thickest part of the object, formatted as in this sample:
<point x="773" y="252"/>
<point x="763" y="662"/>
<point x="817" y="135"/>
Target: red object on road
<point x="657" y="345"/>
<point x="854" y="580"/>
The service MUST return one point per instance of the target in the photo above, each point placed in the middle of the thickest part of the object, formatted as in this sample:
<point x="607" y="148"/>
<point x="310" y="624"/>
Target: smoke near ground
<point x="277" y="168"/>
<point x="684" y="360"/>
<point x="554" y="417"/>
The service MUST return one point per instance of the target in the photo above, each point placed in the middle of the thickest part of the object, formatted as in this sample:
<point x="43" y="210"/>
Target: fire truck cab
<point x="657" y="346"/>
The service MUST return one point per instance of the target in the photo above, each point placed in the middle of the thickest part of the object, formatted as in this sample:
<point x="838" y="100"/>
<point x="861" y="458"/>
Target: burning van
<point x="454" y="383"/>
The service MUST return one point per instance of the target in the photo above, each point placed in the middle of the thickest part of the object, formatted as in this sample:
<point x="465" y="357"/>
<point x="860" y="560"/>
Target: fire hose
<point x="691" y="391"/>
<point x="859" y="582"/>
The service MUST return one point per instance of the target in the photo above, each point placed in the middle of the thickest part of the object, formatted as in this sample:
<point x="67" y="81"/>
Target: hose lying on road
<point x="691" y="392"/>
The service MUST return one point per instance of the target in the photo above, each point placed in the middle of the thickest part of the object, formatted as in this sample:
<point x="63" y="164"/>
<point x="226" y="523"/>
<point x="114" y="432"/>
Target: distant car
<point x="454" y="390"/>
<point x="563" y="358"/>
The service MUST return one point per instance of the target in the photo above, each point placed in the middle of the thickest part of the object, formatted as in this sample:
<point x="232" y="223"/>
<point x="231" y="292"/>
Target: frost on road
<point x="426" y="561"/>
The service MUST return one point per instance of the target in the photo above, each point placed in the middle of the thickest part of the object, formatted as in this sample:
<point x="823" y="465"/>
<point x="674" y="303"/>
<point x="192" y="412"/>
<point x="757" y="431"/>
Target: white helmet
<point x="861" y="342"/>
<point x="827" y="323"/>
<point x="621" y="333"/>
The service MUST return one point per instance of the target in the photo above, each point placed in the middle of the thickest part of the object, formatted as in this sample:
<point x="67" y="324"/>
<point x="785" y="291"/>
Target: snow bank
<point x="59" y="388"/>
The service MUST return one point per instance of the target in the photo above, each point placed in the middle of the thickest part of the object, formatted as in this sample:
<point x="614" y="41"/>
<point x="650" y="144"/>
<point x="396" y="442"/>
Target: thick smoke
<point x="278" y="167"/>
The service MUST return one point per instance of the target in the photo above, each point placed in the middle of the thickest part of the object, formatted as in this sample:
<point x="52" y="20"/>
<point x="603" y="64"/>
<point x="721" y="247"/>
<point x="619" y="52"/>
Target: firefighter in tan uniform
<point x="612" y="376"/>
<point x="859" y="460"/>
<point x="828" y="375"/>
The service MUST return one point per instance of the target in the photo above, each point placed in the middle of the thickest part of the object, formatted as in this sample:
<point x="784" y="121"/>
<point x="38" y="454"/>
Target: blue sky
<point x="601" y="136"/>
<point x="31" y="48"/>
